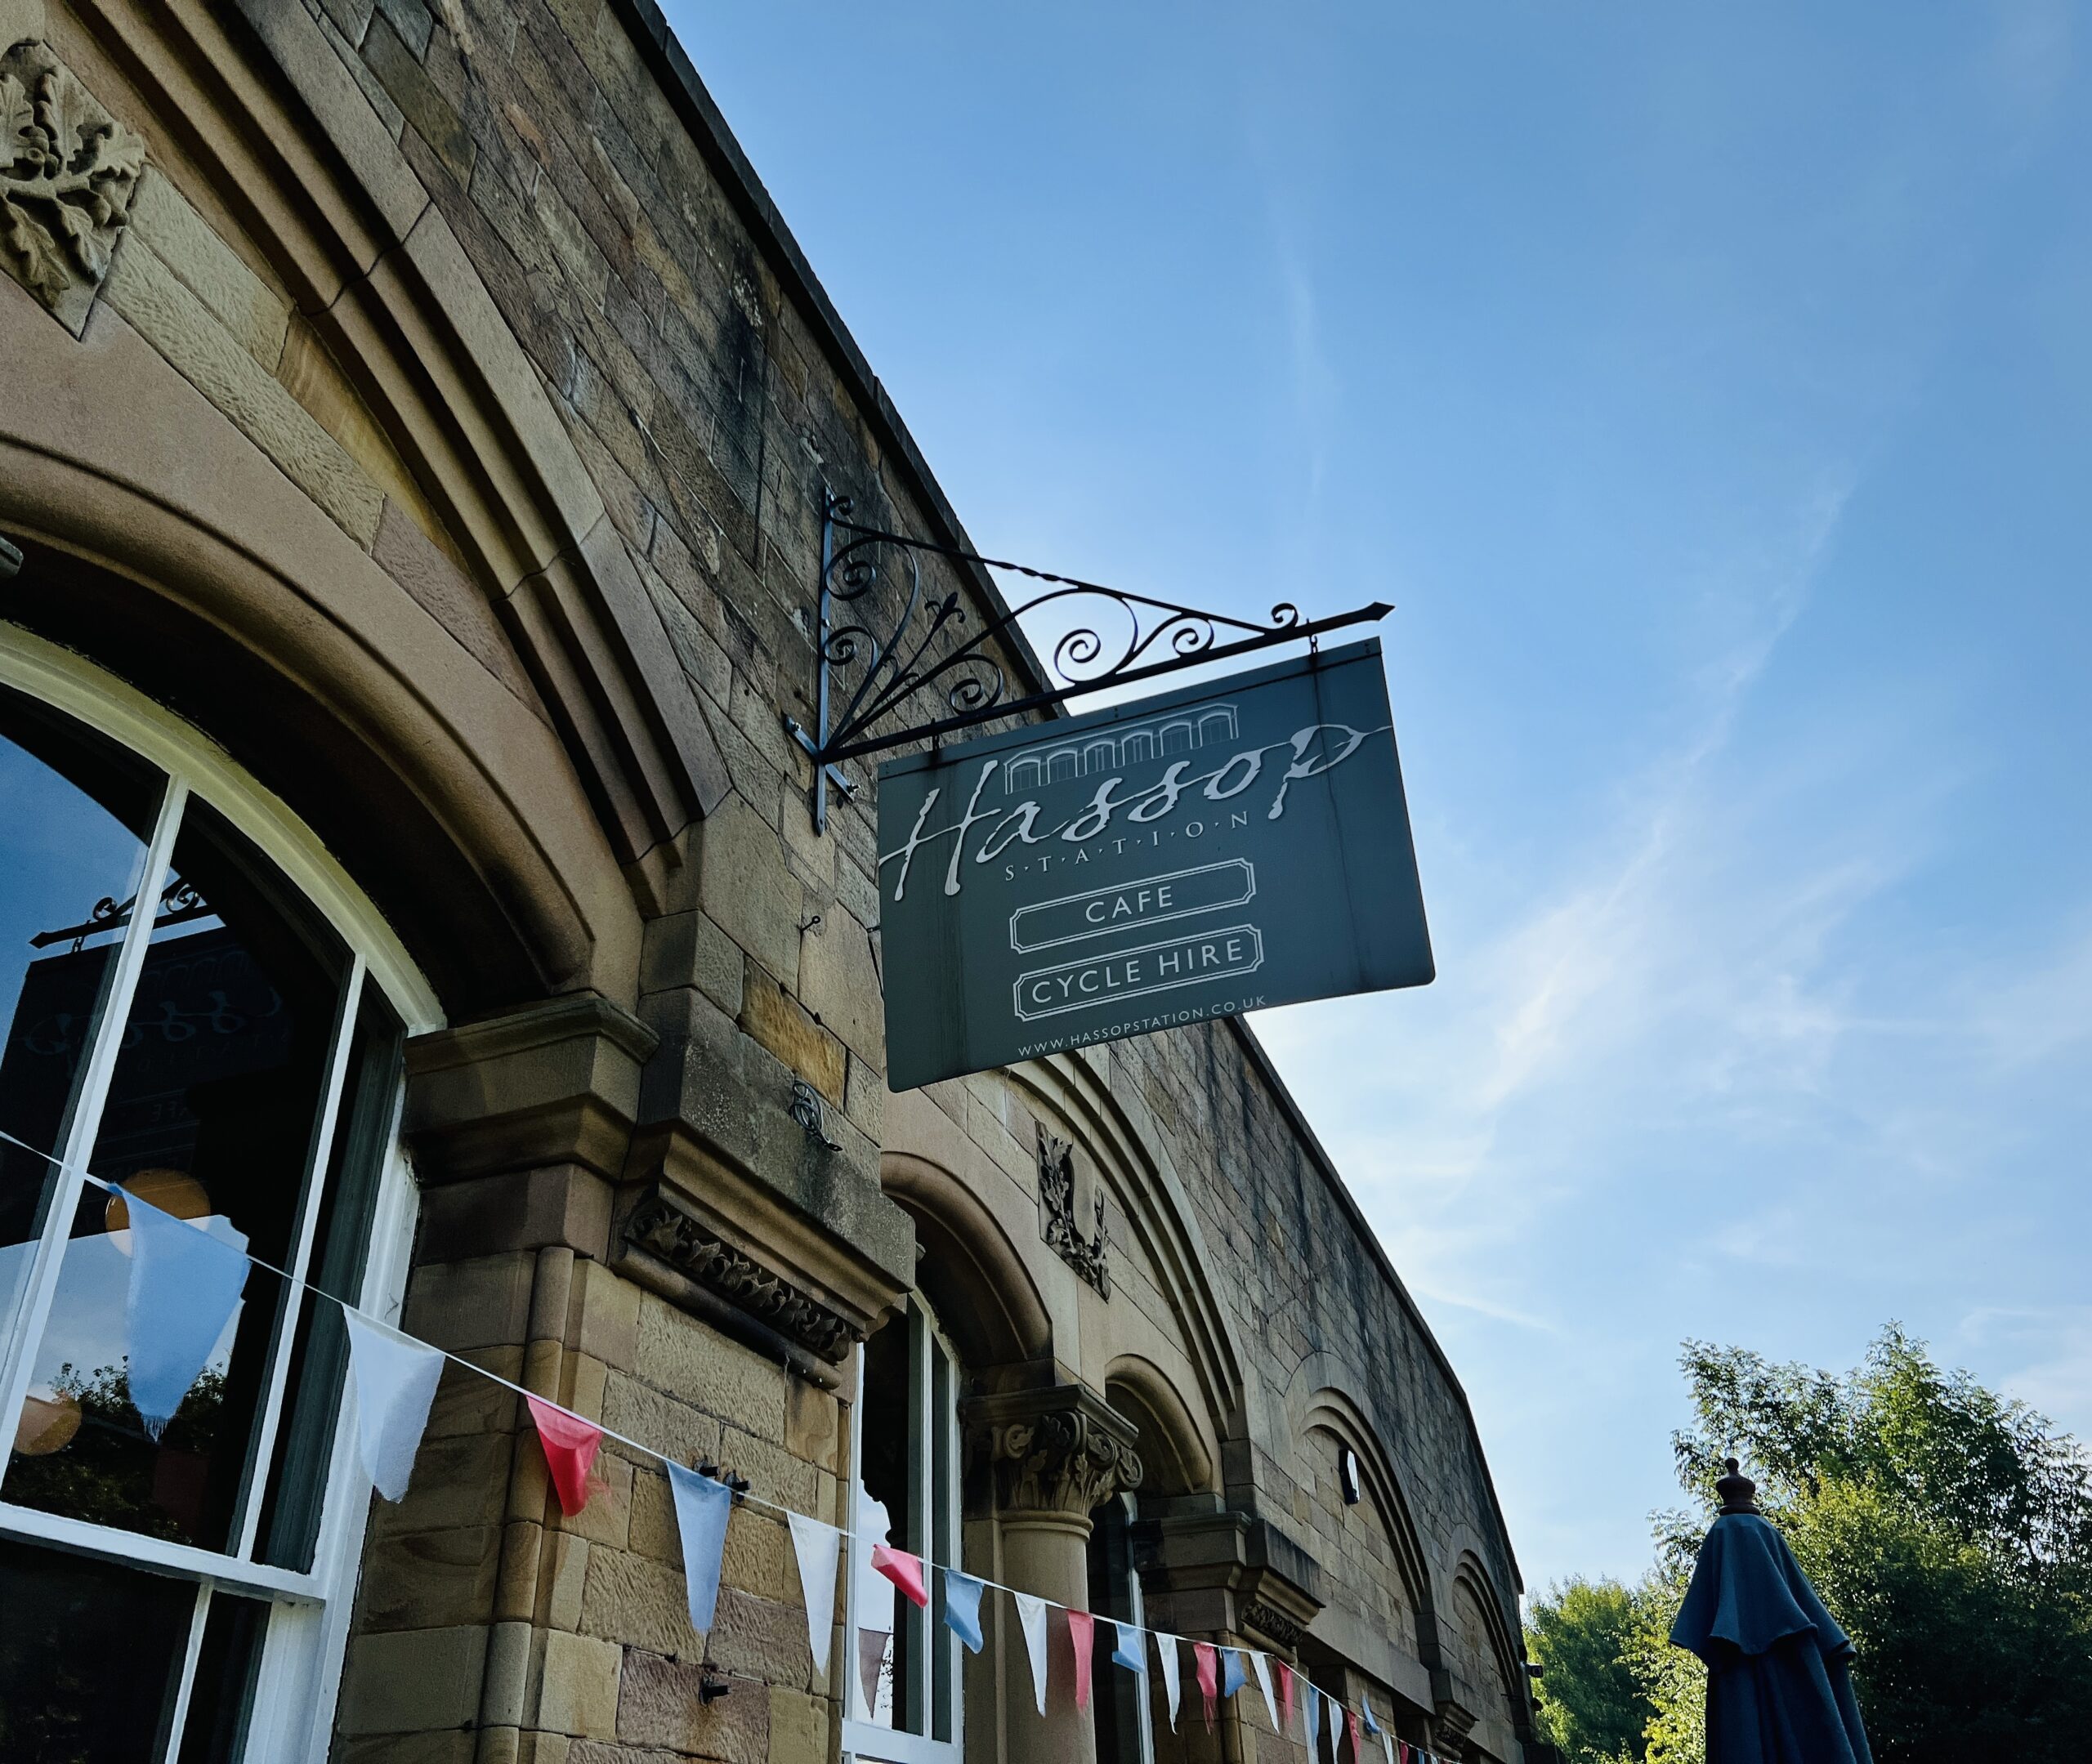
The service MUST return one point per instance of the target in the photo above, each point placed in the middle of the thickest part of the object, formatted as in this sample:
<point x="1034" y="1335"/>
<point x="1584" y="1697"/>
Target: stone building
<point x="414" y="420"/>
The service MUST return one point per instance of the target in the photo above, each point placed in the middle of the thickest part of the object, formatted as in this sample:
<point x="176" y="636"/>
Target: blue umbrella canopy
<point x="1779" y="1669"/>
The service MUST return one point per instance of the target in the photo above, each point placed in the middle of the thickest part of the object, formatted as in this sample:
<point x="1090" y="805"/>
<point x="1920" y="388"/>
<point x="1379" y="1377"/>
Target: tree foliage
<point x="1949" y="1530"/>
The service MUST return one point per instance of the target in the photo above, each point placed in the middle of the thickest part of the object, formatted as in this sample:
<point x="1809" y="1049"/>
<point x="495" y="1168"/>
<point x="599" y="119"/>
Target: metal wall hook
<point x="806" y="1109"/>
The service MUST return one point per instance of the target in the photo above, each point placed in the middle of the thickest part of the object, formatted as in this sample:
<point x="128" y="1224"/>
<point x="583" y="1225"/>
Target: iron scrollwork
<point x="871" y="668"/>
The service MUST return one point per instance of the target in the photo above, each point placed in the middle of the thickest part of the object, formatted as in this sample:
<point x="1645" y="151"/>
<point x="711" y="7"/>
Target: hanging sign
<point x="1226" y="848"/>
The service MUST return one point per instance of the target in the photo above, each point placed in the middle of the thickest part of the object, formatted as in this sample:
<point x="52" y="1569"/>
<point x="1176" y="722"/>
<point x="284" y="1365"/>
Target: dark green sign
<point x="1218" y="850"/>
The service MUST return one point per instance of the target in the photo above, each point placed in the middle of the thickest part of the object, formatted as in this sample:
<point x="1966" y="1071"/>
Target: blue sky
<point x="1709" y="389"/>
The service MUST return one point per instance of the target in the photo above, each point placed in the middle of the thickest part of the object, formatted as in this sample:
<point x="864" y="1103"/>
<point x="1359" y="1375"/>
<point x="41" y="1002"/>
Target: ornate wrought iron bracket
<point x="867" y="675"/>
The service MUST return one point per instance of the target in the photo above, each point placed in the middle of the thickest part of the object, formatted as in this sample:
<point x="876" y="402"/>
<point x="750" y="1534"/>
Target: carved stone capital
<point x="67" y="170"/>
<point x="1061" y="1450"/>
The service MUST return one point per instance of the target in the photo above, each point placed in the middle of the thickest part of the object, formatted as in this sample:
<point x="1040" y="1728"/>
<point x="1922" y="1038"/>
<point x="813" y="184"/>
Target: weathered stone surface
<point x="780" y="1023"/>
<point x="839" y="983"/>
<point x="255" y="316"/>
<point x="181" y="327"/>
<point x="660" y="1707"/>
<point x="412" y="1681"/>
<point x="749" y="890"/>
<point x="635" y="1599"/>
<point x="429" y="1579"/>
<point x="696" y="1364"/>
<point x="578" y="1693"/>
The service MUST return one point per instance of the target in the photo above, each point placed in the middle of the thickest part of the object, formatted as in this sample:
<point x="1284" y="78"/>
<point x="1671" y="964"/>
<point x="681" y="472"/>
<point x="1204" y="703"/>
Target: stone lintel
<point x="1059" y="1449"/>
<point x="555" y="1083"/>
<point x="705" y="1234"/>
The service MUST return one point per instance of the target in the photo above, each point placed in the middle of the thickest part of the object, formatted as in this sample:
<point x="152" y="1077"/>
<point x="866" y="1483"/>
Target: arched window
<point x="905" y="1693"/>
<point x="194" y="1003"/>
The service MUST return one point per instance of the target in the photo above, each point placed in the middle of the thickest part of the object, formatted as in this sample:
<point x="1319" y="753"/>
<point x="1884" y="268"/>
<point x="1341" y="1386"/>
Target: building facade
<point x="414" y="426"/>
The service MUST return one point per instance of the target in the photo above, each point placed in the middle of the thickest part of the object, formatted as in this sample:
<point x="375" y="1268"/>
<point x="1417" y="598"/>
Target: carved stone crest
<point x="1089" y="1256"/>
<point x="67" y="170"/>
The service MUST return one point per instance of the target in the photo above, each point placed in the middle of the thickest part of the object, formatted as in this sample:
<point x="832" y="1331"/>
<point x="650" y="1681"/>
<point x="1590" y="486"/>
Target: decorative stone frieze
<point x="1089" y="1256"/>
<point x="668" y="1230"/>
<point x="67" y="170"/>
<point x="1061" y="1450"/>
<point x="1281" y="1628"/>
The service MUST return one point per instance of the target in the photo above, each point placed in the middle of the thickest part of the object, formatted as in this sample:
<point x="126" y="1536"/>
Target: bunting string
<point x="395" y="1376"/>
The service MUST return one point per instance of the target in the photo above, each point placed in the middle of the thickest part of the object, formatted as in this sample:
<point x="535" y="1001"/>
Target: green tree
<point x="1948" y="1530"/>
<point x="1581" y="1635"/>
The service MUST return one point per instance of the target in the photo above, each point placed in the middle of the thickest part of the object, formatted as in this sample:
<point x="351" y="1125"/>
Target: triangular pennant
<point x="1082" y="1644"/>
<point x="570" y="1445"/>
<point x="1357" y="1743"/>
<point x="1165" y="1649"/>
<point x="1263" y="1667"/>
<point x="1372" y="1727"/>
<point x="1206" y="1663"/>
<point x="1314" y="1707"/>
<point x="819" y="1548"/>
<point x="184" y="1287"/>
<point x="963" y="1607"/>
<point x="1130" y="1652"/>
<point x="702" y="1506"/>
<point x="395" y="1378"/>
<point x="1233" y="1674"/>
<point x="1387" y="1745"/>
<point x="1332" y="1713"/>
<point x="1031" y="1618"/>
<point x="1286" y="1697"/>
<point x="905" y="1571"/>
<point x="871" y="1644"/>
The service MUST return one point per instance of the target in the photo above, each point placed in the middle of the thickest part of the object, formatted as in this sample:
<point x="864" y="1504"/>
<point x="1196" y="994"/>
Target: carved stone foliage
<point x="658" y="1226"/>
<point x="67" y="170"/>
<point x="1089" y="1256"/>
<point x="1059" y="1451"/>
<point x="1281" y="1628"/>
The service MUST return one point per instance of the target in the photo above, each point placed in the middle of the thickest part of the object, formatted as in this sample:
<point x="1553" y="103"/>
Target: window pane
<point x="348" y="1213"/>
<point x="221" y="1697"/>
<point x="211" y="1114"/>
<point x="92" y="1679"/>
<point x="888" y="1424"/>
<point x="75" y="813"/>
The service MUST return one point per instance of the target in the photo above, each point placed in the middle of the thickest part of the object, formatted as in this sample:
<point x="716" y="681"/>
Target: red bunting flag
<point x="1206" y="1660"/>
<point x="1286" y="1699"/>
<point x="570" y="1445"/>
<point x="1357" y="1745"/>
<point x="905" y="1571"/>
<point x="1082" y="1639"/>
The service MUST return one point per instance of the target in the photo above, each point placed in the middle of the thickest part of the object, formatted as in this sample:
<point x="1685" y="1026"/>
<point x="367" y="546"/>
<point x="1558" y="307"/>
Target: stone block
<point x="431" y="1579"/>
<point x="410" y="1680"/>
<point x="460" y="1482"/>
<point x="689" y="948"/>
<point x="466" y="1403"/>
<point x="776" y="1021"/>
<point x="482" y="1303"/>
<point x="758" y="1557"/>
<point x="454" y="1748"/>
<point x="256" y="317"/>
<point x="799" y="1727"/>
<point x="660" y="1707"/>
<point x="407" y="554"/>
<point x="400" y="73"/>
<point x="763" y="1638"/>
<point x="695" y="1363"/>
<point x="578" y="1685"/>
<point x="566" y="1579"/>
<point x="643" y="1412"/>
<point x="839" y="983"/>
<point x="747" y="888"/>
<point x="414" y="22"/>
<point x="607" y="1517"/>
<point x="610" y="1308"/>
<point x="638" y="1601"/>
<point x="160" y="307"/>
<point x="813" y="1423"/>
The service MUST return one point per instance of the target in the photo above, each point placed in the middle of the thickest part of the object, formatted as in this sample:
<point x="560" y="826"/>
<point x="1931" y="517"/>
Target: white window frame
<point x="303" y="1648"/>
<point x="934" y="1438"/>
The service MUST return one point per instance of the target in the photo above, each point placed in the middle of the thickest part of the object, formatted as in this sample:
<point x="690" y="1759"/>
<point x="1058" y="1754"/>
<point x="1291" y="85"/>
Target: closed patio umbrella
<point x="1779" y="1670"/>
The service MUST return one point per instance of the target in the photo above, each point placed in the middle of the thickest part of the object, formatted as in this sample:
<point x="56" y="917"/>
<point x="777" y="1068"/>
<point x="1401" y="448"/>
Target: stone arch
<point x="1332" y="1411"/>
<point x="324" y="196"/>
<point x="1491" y="1661"/>
<point x="969" y="1270"/>
<point x="1069" y="1096"/>
<point x="1175" y="1456"/>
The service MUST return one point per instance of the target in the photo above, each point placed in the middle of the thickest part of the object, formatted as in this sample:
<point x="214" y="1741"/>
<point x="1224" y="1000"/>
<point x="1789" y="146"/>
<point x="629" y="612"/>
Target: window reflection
<point x="75" y="813"/>
<point x="211" y="1113"/>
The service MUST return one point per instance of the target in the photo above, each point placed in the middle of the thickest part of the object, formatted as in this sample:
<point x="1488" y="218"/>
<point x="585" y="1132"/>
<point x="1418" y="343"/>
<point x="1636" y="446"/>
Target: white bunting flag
<point x="1165" y="1649"/>
<point x="1261" y="1663"/>
<point x="1031" y="1614"/>
<point x="819" y="1548"/>
<point x="1387" y="1745"/>
<point x="1333" y="1712"/>
<point x="395" y="1380"/>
